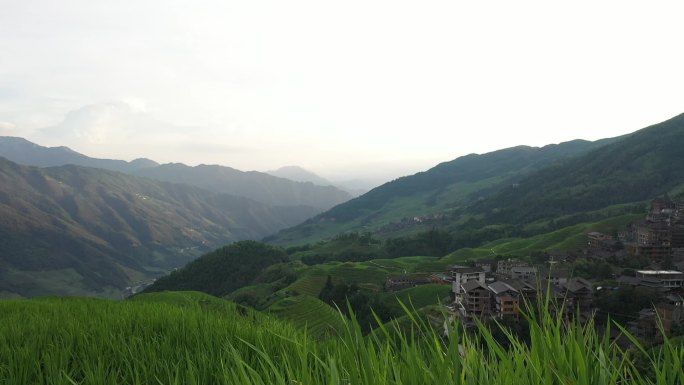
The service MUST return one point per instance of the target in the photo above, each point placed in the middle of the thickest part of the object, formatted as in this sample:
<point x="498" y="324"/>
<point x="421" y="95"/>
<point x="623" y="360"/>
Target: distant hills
<point x="72" y="230"/>
<point x="259" y="186"/>
<point x="262" y="187"/>
<point x="299" y="174"/>
<point x="20" y="150"/>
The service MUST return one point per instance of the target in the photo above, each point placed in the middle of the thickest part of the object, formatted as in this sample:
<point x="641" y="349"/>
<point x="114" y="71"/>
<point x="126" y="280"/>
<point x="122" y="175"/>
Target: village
<point x="645" y="260"/>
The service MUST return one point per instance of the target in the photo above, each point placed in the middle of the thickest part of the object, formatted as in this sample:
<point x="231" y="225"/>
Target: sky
<point x="347" y="89"/>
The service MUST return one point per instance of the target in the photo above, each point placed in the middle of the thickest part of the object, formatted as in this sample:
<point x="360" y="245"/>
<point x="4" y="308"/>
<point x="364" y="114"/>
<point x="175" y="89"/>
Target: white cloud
<point x="123" y="131"/>
<point x="7" y="128"/>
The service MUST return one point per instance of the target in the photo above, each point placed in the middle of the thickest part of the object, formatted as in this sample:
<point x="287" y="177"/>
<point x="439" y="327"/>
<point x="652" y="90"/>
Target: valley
<point x="473" y="242"/>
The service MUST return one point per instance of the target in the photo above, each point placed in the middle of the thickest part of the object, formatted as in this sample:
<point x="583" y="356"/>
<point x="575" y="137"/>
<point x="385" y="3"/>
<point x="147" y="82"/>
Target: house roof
<point x="465" y="269"/>
<point x="576" y="284"/>
<point x="524" y="269"/>
<point x="499" y="287"/>
<point x="595" y="234"/>
<point x="472" y="285"/>
<point x="659" y="272"/>
<point x="518" y="284"/>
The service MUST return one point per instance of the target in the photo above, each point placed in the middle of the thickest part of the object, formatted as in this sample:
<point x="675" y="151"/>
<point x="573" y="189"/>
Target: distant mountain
<point x="19" y="150"/>
<point x="421" y="201"/>
<point x="262" y="187"/>
<point x="72" y="230"/>
<point x="259" y="186"/>
<point x="299" y="174"/>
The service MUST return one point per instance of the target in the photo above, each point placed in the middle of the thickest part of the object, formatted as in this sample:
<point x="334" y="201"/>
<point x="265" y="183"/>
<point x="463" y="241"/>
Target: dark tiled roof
<point x="471" y="285"/>
<point x="576" y="284"/>
<point x="500" y="287"/>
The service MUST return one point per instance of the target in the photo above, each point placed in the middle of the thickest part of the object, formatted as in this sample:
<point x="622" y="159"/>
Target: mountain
<point x="259" y="186"/>
<point x="637" y="167"/>
<point x="72" y="230"/>
<point x="430" y="198"/>
<point x="299" y="174"/>
<point x="262" y="187"/>
<point x="19" y="150"/>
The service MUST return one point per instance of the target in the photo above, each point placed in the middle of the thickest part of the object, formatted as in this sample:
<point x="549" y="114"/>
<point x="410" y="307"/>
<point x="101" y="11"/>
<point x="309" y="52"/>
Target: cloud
<point x="126" y="130"/>
<point x="100" y="124"/>
<point x="7" y="128"/>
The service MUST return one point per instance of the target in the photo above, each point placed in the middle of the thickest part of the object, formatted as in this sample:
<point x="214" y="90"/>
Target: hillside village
<point x="646" y="260"/>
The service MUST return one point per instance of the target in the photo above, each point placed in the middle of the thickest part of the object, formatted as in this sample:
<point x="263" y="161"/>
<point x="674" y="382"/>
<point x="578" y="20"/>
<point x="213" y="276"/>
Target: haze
<point x="372" y="89"/>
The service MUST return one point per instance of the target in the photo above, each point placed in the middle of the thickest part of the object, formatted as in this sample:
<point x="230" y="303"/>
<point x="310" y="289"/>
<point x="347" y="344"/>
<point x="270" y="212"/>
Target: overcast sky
<point x="345" y="88"/>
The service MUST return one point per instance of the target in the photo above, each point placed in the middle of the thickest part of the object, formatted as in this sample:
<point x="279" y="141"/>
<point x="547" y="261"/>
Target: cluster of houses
<point x="498" y="288"/>
<point x="660" y="235"/>
<point x="660" y="238"/>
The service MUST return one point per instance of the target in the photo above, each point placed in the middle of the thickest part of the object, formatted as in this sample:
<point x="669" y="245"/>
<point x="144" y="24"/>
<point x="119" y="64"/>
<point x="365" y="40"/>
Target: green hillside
<point x="83" y="231"/>
<point x="310" y="313"/>
<point x="418" y="297"/>
<point x="224" y="270"/>
<point x="430" y="198"/>
<point x="519" y="192"/>
<point x="640" y="166"/>
<point x="247" y="278"/>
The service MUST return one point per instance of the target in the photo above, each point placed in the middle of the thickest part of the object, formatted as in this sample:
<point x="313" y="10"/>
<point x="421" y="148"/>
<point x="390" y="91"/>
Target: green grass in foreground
<point x="190" y="338"/>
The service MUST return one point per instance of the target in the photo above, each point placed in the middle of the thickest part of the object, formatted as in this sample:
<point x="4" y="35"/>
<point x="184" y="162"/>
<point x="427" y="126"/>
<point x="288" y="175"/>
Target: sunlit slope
<point x="441" y="192"/>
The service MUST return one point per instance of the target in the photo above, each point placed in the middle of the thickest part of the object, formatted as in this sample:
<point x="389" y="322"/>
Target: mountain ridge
<point x="79" y="230"/>
<point x="443" y="188"/>
<point x="262" y="187"/>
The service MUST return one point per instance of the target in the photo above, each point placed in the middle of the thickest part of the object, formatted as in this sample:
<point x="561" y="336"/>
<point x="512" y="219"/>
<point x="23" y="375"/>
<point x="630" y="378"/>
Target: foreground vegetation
<point x="193" y="338"/>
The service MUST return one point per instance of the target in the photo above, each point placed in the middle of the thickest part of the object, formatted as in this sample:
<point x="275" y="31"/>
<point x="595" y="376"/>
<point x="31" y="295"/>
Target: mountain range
<point x="78" y="230"/>
<point x="408" y="203"/>
<point x="22" y="151"/>
<point x="262" y="187"/>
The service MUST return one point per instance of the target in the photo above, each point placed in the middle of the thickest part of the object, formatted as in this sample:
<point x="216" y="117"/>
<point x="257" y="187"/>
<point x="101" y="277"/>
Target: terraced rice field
<point x="305" y="311"/>
<point x="419" y="296"/>
<point x="310" y="284"/>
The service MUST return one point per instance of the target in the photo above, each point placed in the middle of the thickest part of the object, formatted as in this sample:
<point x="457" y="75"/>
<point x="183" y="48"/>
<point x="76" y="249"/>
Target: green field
<point x="310" y="313"/>
<point x="193" y="338"/>
<point x="418" y="297"/>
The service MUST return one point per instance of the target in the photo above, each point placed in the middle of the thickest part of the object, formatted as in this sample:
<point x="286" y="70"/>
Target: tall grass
<point x="188" y="338"/>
